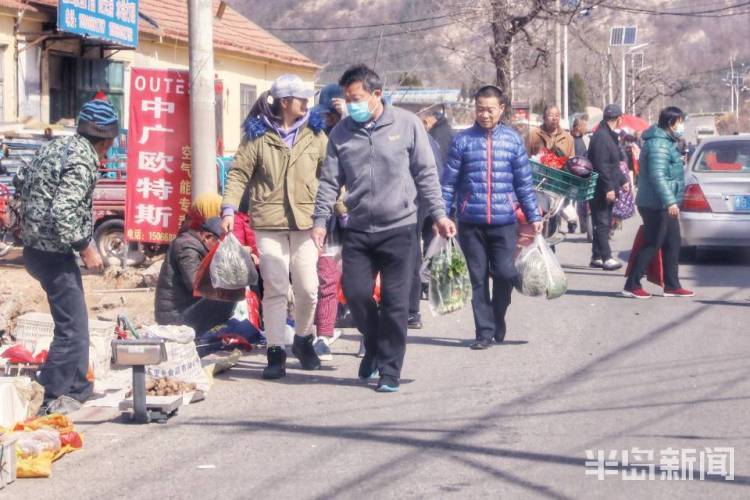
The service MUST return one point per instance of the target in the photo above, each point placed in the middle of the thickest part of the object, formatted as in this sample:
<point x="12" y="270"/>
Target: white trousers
<point x="282" y="253"/>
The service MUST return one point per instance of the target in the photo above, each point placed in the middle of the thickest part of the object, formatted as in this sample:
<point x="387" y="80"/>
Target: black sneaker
<point x="276" y="363"/>
<point x="500" y="334"/>
<point x="304" y="350"/>
<point x="481" y="345"/>
<point x="415" y="321"/>
<point x="387" y="384"/>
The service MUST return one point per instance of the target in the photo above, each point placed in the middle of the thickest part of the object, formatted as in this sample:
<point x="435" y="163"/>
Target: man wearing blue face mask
<point x="382" y="155"/>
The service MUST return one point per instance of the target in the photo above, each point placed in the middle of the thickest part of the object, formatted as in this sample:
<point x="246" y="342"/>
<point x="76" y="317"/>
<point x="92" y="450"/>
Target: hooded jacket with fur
<point x="281" y="182"/>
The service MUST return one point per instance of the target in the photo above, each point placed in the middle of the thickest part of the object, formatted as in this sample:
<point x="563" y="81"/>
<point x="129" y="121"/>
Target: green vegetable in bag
<point x="449" y="283"/>
<point x="539" y="271"/>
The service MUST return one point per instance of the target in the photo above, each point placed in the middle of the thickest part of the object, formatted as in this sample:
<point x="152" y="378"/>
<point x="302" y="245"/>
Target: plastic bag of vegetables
<point x="539" y="271"/>
<point x="446" y="272"/>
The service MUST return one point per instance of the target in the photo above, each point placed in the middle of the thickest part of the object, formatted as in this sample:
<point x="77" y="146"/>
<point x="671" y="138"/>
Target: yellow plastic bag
<point x="40" y="464"/>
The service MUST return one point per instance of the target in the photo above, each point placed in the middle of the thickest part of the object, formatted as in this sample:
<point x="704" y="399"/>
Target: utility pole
<point x="512" y="77"/>
<point x="731" y="85"/>
<point x="603" y="74"/>
<point x="566" y="85"/>
<point x="377" y="52"/>
<point x="558" y="62"/>
<point x="626" y="52"/>
<point x="623" y="91"/>
<point x="609" y="76"/>
<point x="202" y="97"/>
<point x="632" y="84"/>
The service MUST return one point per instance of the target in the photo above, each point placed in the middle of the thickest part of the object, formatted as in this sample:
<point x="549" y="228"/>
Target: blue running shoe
<point x="387" y="384"/>
<point x="367" y="369"/>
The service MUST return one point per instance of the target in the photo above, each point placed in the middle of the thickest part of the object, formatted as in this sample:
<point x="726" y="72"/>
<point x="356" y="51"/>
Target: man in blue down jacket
<point x="487" y="176"/>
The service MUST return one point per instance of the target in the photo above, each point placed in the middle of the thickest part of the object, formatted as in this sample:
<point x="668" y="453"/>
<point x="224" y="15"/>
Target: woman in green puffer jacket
<point x="661" y="188"/>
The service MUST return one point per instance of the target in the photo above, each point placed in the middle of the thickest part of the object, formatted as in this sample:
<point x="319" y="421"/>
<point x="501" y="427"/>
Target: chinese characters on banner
<point x="159" y="155"/>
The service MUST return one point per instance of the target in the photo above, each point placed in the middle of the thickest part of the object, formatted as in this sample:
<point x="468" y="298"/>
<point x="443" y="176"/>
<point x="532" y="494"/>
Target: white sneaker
<point x="322" y="350"/>
<point x="336" y="335"/>
<point x="361" y="352"/>
<point x="612" y="265"/>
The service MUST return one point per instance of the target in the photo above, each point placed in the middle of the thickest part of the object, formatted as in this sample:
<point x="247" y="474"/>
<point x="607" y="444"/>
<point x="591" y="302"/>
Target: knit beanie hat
<point x="98" y="119"/>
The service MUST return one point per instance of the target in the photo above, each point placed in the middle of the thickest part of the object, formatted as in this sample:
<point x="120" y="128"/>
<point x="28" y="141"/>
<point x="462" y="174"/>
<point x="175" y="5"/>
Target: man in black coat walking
<point x="606" y="155"/>
<point x="442" y="132"/>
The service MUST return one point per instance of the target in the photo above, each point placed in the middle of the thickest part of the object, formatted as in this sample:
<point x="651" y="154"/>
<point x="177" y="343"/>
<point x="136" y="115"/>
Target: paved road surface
<point x="590" y="371"/>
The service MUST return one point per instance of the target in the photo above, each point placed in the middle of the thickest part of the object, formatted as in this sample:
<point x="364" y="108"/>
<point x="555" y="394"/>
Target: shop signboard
<point x="159" y="155"/>
<point x="114" y="21"/>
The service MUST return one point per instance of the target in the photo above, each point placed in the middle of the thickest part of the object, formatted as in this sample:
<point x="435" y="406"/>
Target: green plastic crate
<point x="564" y="183"/>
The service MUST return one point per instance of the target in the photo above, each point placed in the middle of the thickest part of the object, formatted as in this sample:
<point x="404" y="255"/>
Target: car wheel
<point x="110" y="241"/>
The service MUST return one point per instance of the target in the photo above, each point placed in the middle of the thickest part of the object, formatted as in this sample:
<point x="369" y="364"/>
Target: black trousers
<point x="660" y="231"/>
<point x="489" y="252"/>
<point x="206" y="314"/>
<point x="64" y="373"/>
<point x="425" y="233"/>
<point x="601" y="219"/>
<point x="390" y="253"/>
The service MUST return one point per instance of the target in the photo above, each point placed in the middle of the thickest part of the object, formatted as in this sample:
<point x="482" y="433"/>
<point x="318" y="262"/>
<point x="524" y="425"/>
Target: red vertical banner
<point x="159" y="155"/>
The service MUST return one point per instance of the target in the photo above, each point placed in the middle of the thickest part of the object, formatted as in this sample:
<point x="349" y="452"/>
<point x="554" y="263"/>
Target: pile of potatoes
<point x="166" y="386"/>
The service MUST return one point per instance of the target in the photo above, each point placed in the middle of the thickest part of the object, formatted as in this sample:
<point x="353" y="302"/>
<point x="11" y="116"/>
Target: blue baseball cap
<point x="327" y="95"/>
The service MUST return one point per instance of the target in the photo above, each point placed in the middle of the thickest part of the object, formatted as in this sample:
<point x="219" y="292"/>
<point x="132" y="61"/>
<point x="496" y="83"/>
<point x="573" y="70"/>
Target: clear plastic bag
<point x="539" y="271"/>
<point x="446" y="271"/>
<point x="33" y="443"/>
<point x="232" y="266"/>
<point x="334" y="244"/>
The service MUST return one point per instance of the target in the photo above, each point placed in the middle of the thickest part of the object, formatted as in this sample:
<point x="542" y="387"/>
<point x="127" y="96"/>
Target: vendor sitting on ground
<point x="175" y="304"/>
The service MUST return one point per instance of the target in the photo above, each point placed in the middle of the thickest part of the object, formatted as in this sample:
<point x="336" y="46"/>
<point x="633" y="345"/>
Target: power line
<point x="375" y="37"/>
<point x="686" y="7"/>
<point x="725" y="11"/>
<point x="362" y="26"/>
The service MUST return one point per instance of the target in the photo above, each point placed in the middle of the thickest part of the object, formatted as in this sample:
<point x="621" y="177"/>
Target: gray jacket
<point x="383" y="167"/>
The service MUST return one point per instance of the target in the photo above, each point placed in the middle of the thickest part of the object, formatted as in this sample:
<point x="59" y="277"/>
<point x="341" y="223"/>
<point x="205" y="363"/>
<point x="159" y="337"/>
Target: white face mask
<point x="679" y="131"/>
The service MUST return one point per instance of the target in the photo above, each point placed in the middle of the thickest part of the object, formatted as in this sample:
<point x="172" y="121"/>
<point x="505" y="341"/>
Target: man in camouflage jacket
<point x="56" y="207"/>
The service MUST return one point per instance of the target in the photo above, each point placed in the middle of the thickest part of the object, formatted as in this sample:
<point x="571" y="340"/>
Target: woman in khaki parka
<point x="279" y="162"/>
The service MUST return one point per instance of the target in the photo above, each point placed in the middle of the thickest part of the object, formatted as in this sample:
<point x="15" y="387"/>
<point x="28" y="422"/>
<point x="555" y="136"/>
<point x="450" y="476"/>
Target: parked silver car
<point x="716" y="210"/>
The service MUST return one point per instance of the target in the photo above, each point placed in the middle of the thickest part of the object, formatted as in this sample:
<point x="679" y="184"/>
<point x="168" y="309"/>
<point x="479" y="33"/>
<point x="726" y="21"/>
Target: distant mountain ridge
<point x="680" y="47"/>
